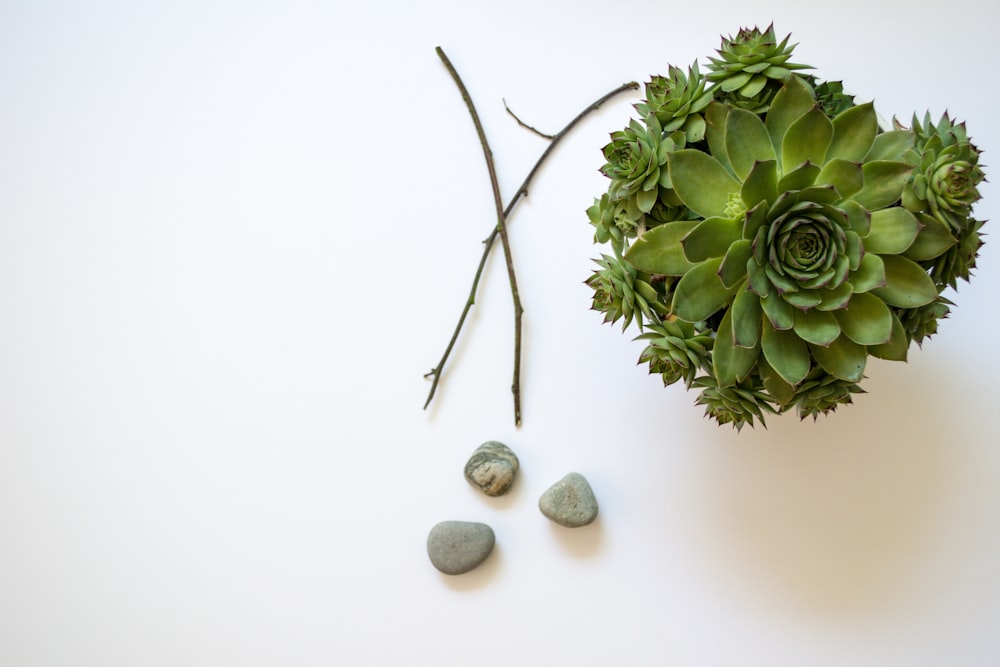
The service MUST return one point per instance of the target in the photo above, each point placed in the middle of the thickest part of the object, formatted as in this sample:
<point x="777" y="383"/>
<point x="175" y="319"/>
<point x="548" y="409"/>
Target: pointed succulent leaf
<point x="786" y="353"/>
<point x="753" y="86"/>
<point x="774" y="383"/>
<point x="816" y="327"/>
<point x="893" y="230"/>
<point x="758" y="281"/>
<point x="760" y="185"/>
<point x="854" y="130"/>
<point x="836" y="298"/>
<point x="780" y="313"/>
<point x="858" y="217"/>
<point x="817" y="194"/>
<point x="932" y="241"/>
<point x="694" y="128"/>
<point x="755" y="220"/>
<point x="732" y="363"/>
<point x="799" y="178"/>
<point x="869" y="275"/>
<point x="646" y="198"/>
<point x="702" y="102"/>
<point x="716" y="116"/>
<point x="646" y="291"/>
<point x="907" y="285"/>
<point x="807" y="140"/>
<point x="747" y="142"/>
<point x="757" y="68"/>
<point x="866" y="320"/>
<point x="701" y="182"/>
<point x="803" y="299"/>
<point x="736" y="81"/>
<point x="853" y="249"/>
<point x="747" y="314"/>
<point x="659" y="250"/>
<point x="890" y="145"/>
<point x="711" y="238"/>
<point x="843" y="358"/>
<point x="782" y="283"/>
<point x="664" y="182"/>
<point x="792" y="101"/>
<point x="884" y="183"/>
<point x="896" y="347"/>
<point x="676" y="123"/>
<point x="776" y="72"/>
<point x="700" y="293"/>
<point x="846" y="176"/>
<point x="734" y="264"/>
<point x="843" y="265"/>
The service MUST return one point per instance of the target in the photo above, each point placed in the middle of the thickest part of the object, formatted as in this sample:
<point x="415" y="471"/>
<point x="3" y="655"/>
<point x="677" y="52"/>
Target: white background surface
<point x="233" y="237"/>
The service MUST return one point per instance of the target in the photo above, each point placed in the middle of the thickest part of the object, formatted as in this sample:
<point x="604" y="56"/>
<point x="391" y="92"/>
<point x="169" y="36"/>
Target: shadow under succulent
<point x="839" y="520"/>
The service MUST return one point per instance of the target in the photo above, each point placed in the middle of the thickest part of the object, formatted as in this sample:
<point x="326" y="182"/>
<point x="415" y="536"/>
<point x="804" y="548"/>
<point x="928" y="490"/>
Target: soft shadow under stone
<point x="580" y="543"/>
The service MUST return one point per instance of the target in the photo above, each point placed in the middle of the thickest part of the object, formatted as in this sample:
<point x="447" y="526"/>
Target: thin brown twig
<point x="500" y="229"/>
<point x="525" y="125"/>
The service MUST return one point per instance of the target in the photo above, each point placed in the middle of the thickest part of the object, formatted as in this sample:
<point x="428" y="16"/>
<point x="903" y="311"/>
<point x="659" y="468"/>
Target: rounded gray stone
<point x="569" y="502"/>
<point x="491" y="468"/>
<point x="455" y="547"/>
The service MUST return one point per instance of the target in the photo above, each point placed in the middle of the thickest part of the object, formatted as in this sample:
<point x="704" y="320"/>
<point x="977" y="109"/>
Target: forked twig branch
<point x="530" y="128"/>
<point x="500" y="229"/>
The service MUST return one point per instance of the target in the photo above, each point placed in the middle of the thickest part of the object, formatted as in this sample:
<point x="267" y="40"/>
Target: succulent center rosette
<point x="803" y="239"/>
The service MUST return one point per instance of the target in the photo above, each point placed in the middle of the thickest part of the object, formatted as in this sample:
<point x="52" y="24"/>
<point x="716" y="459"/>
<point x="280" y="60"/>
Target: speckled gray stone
<point x="569" y="502"/>
<point x="491" y="468"/>
<point x="455" y="547"/>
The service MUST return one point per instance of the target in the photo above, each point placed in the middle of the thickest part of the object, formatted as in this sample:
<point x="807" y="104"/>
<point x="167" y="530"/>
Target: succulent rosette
<point x="751" y="67"/>
<point x="791" y="240"/>
<point x="677" y="101"/>
<point x="947" y="172"/>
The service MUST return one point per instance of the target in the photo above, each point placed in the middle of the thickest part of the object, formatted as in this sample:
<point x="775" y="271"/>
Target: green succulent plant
<point x="793" y="239"/>
<point x="677" y="102"/>
<point x="751" y="67"/>
<point x="958" y="261"/>
<point x="947" y="172"/>
<point x="621" y="291"/>
<point x="637" y="164"/>
<point x="831" y="97"/>
<point x="676" y="350"/>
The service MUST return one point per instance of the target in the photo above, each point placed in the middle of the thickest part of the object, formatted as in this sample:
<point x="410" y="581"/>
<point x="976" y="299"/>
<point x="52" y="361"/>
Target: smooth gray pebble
<point x="455" y="547"/>
<point x="569" y="502"/>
